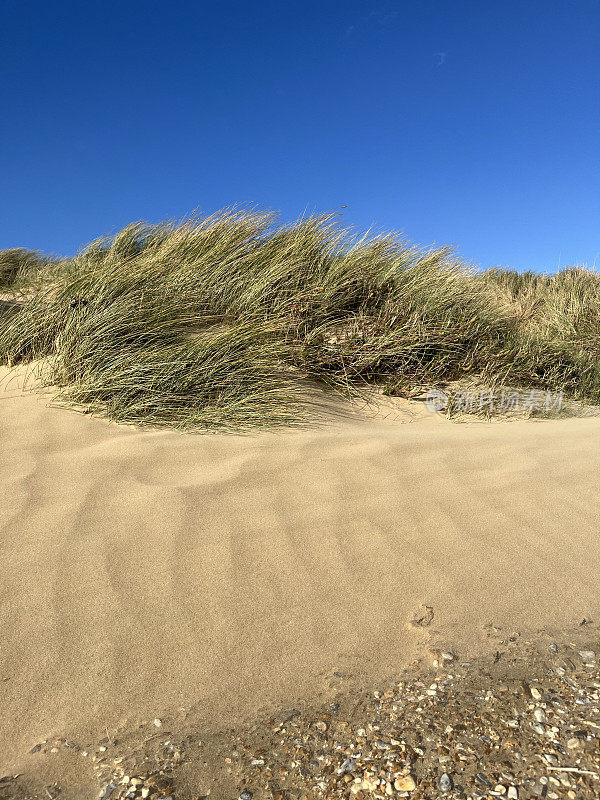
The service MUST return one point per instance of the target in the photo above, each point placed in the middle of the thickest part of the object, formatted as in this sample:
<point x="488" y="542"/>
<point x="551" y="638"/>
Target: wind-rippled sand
<point x="142" y="571"/>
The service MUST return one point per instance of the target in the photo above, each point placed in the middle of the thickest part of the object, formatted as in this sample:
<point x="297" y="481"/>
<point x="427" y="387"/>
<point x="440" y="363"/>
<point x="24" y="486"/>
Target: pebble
<point x="587" y="655"/>
<point x="535" y="693"/>
<point x="513" y="793"/>
<point x="405" y="784"/>
<point x="550" y="758"/>
<point x="246" y="795"/>
<point x="107" y="791"/>
<point x="445" y="782"/>
<point x="539" y="728"/>
<point x="539" y="715"/>
<point x="157" y="723"/>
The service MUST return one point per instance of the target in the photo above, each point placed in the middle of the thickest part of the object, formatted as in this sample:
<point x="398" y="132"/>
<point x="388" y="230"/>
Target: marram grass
<point x="235" y="321"/>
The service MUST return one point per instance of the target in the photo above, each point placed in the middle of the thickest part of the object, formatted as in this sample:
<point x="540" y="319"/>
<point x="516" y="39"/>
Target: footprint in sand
<point x="423" y="617"/>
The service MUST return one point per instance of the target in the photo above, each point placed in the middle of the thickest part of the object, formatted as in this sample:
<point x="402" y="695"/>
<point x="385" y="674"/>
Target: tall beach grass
<point x="237" y="321"/>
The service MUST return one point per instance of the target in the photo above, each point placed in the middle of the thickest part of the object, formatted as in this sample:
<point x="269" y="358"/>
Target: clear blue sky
<point x="456" y="121"/>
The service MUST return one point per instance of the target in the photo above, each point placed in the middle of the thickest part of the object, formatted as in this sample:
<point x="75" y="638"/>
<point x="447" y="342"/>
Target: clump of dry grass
<point x="20" y="267"/>
<point x="223" y="321"/>
<point x="563" y="307"/>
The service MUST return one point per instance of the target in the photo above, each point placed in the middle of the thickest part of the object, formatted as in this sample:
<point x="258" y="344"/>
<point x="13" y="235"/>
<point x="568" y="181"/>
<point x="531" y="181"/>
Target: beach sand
<point x="145" y="571"/>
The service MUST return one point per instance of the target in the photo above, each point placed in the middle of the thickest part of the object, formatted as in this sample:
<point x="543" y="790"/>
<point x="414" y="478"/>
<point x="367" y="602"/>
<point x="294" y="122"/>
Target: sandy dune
<point x="142" y="571"/>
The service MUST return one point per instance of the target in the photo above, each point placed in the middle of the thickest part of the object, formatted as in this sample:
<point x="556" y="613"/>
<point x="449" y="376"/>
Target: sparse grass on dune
<point x="223" y="321"/>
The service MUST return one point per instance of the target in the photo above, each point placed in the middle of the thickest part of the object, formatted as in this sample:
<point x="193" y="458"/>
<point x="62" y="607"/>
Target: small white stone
<point x="512" y="793"/>
<point x="535" y="693"/>
<point x="550" y="758"/>
<point x="539" y="728"/>
<point x="157" y="723"/>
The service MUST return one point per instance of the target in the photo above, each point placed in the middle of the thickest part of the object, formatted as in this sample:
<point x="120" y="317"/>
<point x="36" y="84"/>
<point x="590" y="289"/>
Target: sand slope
<point x="146" y="570"/>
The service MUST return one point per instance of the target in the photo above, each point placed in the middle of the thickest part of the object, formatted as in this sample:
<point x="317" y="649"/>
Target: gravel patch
<point x="521" y="722"/>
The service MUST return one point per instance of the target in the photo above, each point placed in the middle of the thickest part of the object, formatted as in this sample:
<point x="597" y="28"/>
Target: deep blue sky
<point x="456" y="121"/>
